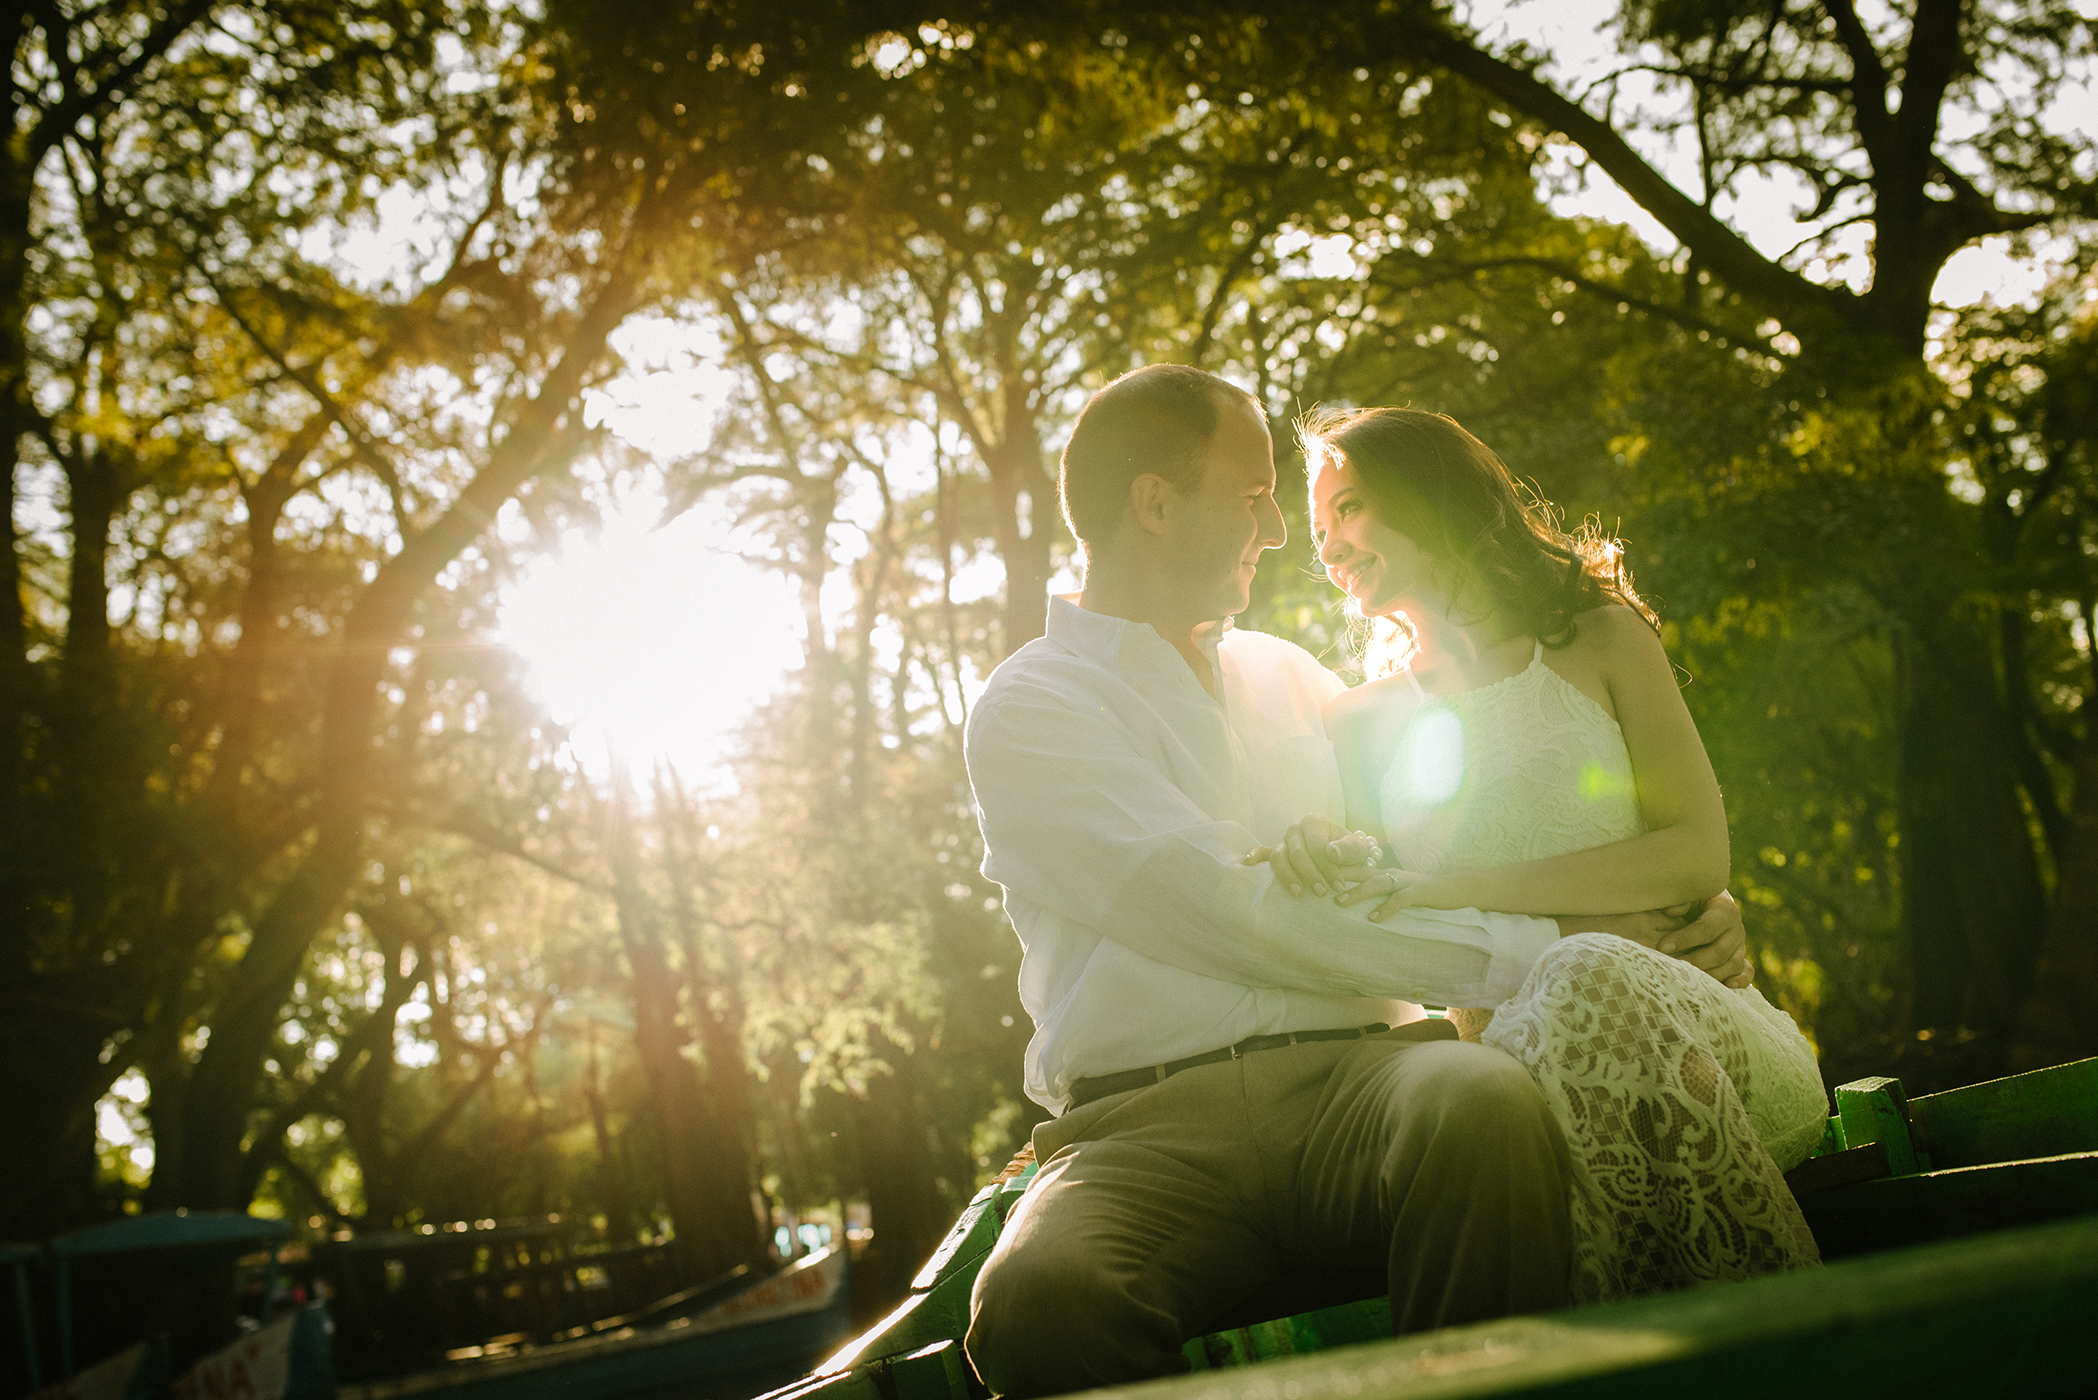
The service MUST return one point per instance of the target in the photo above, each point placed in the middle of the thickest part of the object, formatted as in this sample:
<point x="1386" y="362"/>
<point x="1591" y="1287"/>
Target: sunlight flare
<point x="651" y="643"/>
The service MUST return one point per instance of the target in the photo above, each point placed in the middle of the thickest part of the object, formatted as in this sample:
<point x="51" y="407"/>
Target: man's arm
<point x="1077" y="820"/>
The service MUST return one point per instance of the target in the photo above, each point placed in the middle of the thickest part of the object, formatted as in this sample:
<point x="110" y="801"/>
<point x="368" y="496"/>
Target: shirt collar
<point x="1099" y="637"/>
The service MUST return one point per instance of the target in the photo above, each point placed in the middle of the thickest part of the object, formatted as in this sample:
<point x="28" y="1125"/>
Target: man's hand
<point x="1715" y="941"/>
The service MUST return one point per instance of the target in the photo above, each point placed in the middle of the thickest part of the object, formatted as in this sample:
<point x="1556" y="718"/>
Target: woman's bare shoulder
<point x="1369" y="703"/>
<point x="1613" y="646"/>
<point x="1614" y="629"/>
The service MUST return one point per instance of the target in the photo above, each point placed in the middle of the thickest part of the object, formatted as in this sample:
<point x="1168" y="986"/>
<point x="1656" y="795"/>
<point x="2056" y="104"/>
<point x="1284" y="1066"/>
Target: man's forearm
<point x="1191" y="910"/>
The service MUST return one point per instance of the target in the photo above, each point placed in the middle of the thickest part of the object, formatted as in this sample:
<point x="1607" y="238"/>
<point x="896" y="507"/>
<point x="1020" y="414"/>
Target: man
<point x="1230" y="1101"/>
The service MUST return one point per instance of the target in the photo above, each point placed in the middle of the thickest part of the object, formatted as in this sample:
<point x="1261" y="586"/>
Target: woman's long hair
<point x="1491" y="539"/>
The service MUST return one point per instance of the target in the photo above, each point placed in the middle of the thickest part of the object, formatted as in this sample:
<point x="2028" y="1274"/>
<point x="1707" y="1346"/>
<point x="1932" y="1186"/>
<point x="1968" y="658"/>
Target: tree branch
<point x="1934" y="56"/>
<point x="360" y="441"/>
<point x="1868" y="81"/>
<point x="1728" y="254"/>
<point x="53" y="126"/>
<point x="484" y="835"/>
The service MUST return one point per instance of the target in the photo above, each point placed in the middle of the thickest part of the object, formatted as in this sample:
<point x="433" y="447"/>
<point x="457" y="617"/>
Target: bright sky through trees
<point x="1582" y="54"/>
<point x="649" y="639"/>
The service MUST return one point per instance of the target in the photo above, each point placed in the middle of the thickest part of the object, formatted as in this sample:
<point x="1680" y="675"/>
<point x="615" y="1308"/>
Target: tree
<point x="358" y="441"/>
<point x="83" y="766"/>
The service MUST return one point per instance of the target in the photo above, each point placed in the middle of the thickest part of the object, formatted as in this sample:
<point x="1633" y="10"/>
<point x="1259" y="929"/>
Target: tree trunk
<point x="899" y="1168"/>
<point x="15" y="177"/>
<point x="720" y="1029"/>
<point x="47" y="1180"/>
<point x="706" y="1179"/>
<point x="1024" y="491"/>
<point x="222" y="1089"/>
<point x="1972" y="902"/>
<point x="2057" y="1024"/>
<point x="611" y="1166"/>
<point x="89" y="747"/>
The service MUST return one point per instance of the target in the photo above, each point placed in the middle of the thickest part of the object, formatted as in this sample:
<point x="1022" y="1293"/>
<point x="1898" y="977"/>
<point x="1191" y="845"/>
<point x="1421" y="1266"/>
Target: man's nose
<point x="1274" y="530"/>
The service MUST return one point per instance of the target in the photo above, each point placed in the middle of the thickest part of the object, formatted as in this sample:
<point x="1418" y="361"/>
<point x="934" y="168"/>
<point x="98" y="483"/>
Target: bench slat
<point x="2041" y="1114"/>
<point x="2005" y="1314"/>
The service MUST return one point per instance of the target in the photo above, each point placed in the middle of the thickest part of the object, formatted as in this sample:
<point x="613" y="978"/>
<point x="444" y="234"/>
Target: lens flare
<point x="1431" y="757"/>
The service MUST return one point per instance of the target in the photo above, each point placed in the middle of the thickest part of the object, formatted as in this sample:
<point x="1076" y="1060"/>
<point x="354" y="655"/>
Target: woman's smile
<point x="1351" y="573"/>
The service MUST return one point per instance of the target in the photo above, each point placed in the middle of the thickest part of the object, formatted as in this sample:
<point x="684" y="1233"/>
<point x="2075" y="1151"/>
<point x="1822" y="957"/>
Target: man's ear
<point x="1148" y="497"/>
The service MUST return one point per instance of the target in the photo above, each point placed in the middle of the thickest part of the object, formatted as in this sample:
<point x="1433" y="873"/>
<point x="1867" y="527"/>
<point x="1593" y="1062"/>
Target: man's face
<point x="1217" y="532"/>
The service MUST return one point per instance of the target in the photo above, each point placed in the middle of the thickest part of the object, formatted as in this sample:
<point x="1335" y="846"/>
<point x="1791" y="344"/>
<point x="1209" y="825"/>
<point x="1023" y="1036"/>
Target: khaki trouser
<point x="1158" y="1209"/>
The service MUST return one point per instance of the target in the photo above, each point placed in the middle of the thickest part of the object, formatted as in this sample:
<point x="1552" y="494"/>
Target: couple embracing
<point x="1237" y="882"/>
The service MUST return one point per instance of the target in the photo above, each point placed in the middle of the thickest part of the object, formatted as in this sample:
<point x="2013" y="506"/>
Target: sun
<point x="652" y="644"/>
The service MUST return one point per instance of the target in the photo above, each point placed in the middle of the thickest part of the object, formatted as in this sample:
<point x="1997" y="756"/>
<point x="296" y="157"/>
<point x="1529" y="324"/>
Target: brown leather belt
<point x="1084" y="1091"/>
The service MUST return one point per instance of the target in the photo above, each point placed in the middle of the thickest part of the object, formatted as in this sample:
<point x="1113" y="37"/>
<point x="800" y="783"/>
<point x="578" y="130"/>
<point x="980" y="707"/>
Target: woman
<point x="1533" y="755"/>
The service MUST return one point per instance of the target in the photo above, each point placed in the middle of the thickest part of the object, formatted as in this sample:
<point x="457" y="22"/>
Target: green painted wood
<point x="1950" y="1204"/>
<point x="938" y="1308"/>
<point x="2045" y="1113"/>
<point x="1875" y="1110"/>
<point x="971" y="1238"/>
<point x="1010" y="1192"/>
<point x="938" y="1314"/>
<point x="1838" y="1169"/>
<point x="844" y="1385"/>
<point x="937" y="1372"/>
<point x="924" y="1319"/>
<point x="1345" y="1325"/>
<point x="2002" y="1314"/>
<point x="976" y="1231"/>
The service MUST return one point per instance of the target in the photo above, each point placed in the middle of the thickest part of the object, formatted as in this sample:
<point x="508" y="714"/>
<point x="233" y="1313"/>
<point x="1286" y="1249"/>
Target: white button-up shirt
<point x="1118" y="798"/>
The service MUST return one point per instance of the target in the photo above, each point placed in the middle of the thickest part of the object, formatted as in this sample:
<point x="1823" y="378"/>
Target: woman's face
<point x="1371" y="562"/>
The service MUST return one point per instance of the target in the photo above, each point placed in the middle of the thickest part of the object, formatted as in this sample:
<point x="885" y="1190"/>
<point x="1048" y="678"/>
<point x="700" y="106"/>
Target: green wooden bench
<point x="1895" y="1171"/>
<point x="1895" y="1193"/>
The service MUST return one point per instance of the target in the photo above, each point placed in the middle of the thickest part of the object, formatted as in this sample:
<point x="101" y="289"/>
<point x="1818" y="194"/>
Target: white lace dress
<point x="1683" y="1101"/>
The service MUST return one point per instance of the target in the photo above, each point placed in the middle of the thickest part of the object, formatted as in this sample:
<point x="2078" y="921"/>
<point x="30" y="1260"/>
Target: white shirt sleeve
<point x="1077" y="820"/>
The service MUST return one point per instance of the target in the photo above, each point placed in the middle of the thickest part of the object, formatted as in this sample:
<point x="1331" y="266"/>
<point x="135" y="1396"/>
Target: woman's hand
<point x="1399" y="889"/>
<point x="1318" y="855"/>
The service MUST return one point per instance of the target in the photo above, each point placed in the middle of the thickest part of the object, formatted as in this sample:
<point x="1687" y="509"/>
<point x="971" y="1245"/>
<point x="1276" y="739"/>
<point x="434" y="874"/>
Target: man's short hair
<point x="1157" y="420"/>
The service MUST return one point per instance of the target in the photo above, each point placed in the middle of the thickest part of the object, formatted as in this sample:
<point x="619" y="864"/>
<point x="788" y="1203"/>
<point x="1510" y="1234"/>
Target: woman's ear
<point x="1148" y="497"/>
